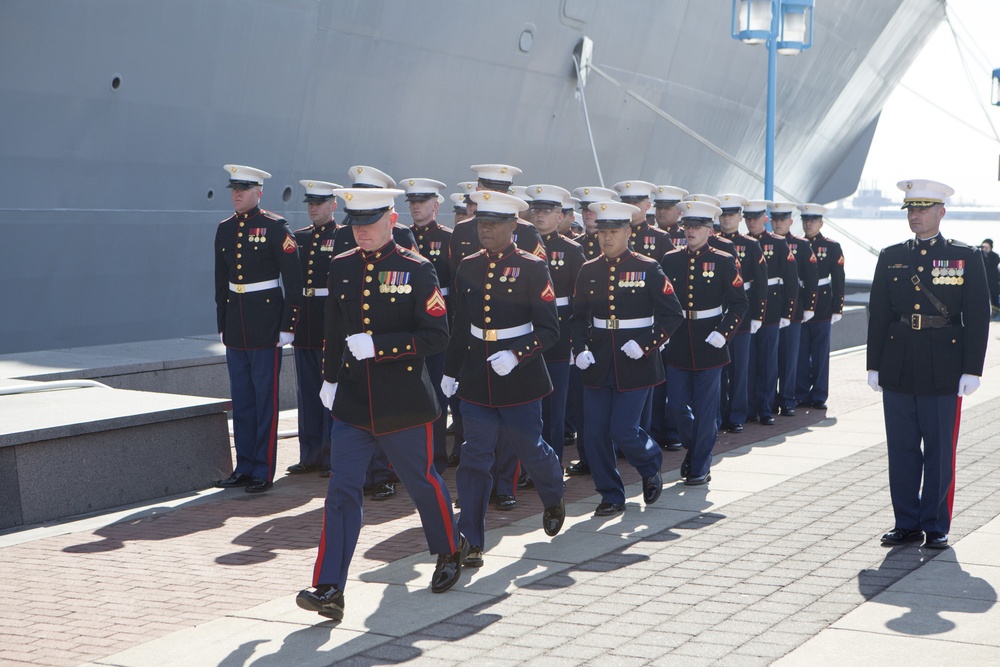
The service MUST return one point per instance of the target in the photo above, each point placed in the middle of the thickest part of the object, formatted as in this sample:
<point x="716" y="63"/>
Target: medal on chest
<point x="258" y="235"/>
<point x="556" y="259"/>
<point x="394" y="282"/>
<point x="510" y="274"/>
<point x="948" y="272"/>
<point x="708" y="269"/>
<point x="632" y="279"/>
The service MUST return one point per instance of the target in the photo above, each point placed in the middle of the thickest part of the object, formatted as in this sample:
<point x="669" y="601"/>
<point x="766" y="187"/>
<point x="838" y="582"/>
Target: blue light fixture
<point x="996" y="87"/>
<point x="795" y="32"/>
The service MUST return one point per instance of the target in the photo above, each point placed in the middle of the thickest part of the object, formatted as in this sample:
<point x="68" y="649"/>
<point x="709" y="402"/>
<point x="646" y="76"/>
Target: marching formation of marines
<point x="643" y="332"/>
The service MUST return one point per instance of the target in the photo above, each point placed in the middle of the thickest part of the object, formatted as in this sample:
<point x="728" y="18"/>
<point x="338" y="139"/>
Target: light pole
<point x="786" y="27"/>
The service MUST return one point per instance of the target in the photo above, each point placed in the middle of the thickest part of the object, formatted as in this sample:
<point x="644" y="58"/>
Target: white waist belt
<point x="824" y="281"/>
<point x="775" y="281"/>
<point x="444" y="291"/>
<point x="253" y="287"/>
<point x="637" y="323"/>
<point x="562" y="301"/>
<point x="315" y="291"/>
<point x="746" y="285"/>
<point x="501" y="334"/>
<point x="702" y="314"/>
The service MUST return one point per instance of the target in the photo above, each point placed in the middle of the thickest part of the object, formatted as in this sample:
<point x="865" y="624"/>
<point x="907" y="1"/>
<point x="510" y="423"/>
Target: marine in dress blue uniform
<point x="805" y="306"/>
<point x="782" y="293"/>
<point x="384" y="316"/>
<point x="714" y="303"/>
<point x="588" y="239"/>
<point x="253" y="248"/>
<point x="753" y="272"/>
<point x="434" y="243"/>
<point x="927" y="332"/>
<point x="624" y="309"/>
<point x="505" y="318"/>
<point x="315" y="244"/>
<point x="812" y="379"/>
<point x="668" y="216"/>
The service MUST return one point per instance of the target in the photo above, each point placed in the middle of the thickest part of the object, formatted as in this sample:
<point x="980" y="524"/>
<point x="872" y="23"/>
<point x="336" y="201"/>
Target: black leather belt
<point x="918" y="321"/>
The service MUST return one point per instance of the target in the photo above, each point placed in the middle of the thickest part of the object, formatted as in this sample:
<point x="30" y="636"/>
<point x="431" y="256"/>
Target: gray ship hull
<point x="118" y="116"/>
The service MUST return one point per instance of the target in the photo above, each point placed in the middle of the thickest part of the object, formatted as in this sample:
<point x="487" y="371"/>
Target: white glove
<point x="836" y="317"/>
<point x="808" y="315"/>
<point x="584" y="360"/>
<point x="503" y="362"/>
<point x="327" y="393"/>
<point x="285" y="338"/>
<point x="967" y="384"/>
<point x="755" y="325"/>
<point x="222" y="338"/>
<point x="361" y="345"/>
<point x="873" y="381"/>
<point x="449" y="386"/>
<point x="572" y="358"/>
<point x="632" y="350"/>
<point x="782" y="323"/>
<point x="715" y="339"/>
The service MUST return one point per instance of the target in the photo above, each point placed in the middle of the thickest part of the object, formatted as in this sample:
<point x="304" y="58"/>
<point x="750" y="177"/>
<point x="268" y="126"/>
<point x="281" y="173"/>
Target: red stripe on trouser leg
<point x="322" y="552"/>
<point x="954" y="457"/>
<point x="517" y="477"/>
<point x="449" y="525"/>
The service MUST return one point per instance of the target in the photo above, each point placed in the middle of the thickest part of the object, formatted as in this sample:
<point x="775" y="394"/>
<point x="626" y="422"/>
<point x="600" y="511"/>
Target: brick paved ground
<point x="759" y="578"/>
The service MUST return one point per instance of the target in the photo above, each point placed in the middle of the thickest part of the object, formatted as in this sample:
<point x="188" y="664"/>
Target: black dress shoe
<point x="553" y="518"/>
<point x="474" y="558"/>
<point x="735" y="428"/>
<point x="454" y="460"/>
<point x="258" y="485"/>
<point x="233" y="481"/>
<point x="324" y="471"/>
<point x="753" y="419"/>
<point x="652" y="487"/>
<point x="899" y="536"/>
<point x="819" y="405"/>
<point x="524" y="481"/>
<point x="671" y="445"/>
<point x="578" y="468"/>
<point x="936" y="541"/>
<point x="686" y="465"/>
<point x="384" y="491"/>
<point x="325" y="599"/>
<point x="767" y="421"/>
<point x="786" y="412"/>
<point x="302" y="468"/>
<point x="609" y="509"/>
<point x="506" y="502"/>
<point x="569" y="438"/>
<point x="698" y="481"/>
<point x="449" y="567"/>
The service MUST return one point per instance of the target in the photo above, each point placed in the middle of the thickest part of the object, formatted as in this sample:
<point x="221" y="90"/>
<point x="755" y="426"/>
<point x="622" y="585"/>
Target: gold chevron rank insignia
<point x="435" y="304"/>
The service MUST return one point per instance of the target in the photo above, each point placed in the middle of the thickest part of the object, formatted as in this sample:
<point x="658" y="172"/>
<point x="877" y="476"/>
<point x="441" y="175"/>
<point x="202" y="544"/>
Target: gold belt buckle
<point x="490" y="335"/>
<point x="612" y="323"/>
<point x="240" y="289"/>
<point x="915" y="322"/>
<point x="310" y="291"/>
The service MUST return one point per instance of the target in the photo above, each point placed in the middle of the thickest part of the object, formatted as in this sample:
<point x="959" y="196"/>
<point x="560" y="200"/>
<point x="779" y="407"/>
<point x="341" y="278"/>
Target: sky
<point x="916" y="140"/>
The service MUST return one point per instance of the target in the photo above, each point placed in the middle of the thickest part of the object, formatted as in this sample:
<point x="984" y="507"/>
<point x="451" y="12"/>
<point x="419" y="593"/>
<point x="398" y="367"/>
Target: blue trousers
<point x="554" y="407"/>
<point x="694" y="401"/>
<point x="253" y="384"/>
<point x="411" y="452"/>
<point x="910" y="420"/>
<point x="812" y="380"/>
<point x="576" y="409"/>
<point x="314" y="419"/>
<point x="455" y="404"/>
<point x="522" y="425"/>
<point x="734" y="380"/>
<point x="435" y="369"/>
<point x="762" y="373"/>
<point x="788" y="363"/>
<point x="613" y="421"/>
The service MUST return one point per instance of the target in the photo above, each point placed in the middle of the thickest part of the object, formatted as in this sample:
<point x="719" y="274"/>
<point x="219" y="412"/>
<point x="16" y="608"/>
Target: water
<point x="859" y="263"/>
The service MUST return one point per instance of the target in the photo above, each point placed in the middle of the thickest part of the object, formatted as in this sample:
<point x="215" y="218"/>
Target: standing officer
<point x="649" y="241"/>
<point x="433" y="242"/>
<point x="505" y="318"/>
<point x="252" y="249"/>
<point x="665" y="199"/>
<point x="565" y="257"/>
<point x="385" y="314"/>
<point x="587" y="196"/>
<point x="624" y="309"/>
<point x="805" y="305"/>
<point x="315" y="247"/>
<point x="458" y="207"/>
<point x="370" y="177"/>
<point x="927" y="333"/>
<point x="753" y="272"/>
<point x="569" y="216"/>
<point x="782" y="292"/>
<point x="812" y="379"/>
<point x="714" y="303"/>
